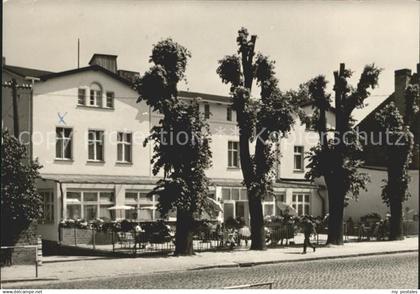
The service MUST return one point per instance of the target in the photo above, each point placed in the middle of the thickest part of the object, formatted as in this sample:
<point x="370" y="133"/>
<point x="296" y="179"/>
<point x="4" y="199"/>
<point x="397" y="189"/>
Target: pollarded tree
<point x="21" y="204"/>
<point x="261" y="121"/>
<point x="399" y="144"/>
<point x="337" y="159"/>
<point x="181" y="148"/>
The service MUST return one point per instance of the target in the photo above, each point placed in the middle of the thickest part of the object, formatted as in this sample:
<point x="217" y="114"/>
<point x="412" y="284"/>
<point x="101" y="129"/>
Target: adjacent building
<point x="374" y="156"/>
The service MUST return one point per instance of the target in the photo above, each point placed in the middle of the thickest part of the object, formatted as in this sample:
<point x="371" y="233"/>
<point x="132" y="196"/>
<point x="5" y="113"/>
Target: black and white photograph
<point x="208" y="144"/>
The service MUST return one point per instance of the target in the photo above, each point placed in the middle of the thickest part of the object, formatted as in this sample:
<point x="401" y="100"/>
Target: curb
<point x="250" y="264"/>
<point x="29" y="280"/>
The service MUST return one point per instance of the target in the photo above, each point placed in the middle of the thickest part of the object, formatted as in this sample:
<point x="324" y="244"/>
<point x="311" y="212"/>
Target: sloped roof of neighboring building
<point x="371" y="114"/>
<point x="222" y="99"/>
<point x="210" y="97"/>
<point x="27" y="72"/>
<point x="83" y="69"/>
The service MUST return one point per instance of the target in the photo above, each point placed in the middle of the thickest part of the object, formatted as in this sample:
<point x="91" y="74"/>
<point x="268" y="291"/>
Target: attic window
<point x="81" y="96"/>
<point x="110" y="99"/>
<point x="95" y="98"/>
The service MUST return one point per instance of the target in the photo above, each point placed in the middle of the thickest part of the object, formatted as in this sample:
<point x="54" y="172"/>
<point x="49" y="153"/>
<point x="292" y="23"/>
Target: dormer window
<point x="81" y="96"/>
<point x="110" y="99"/>
<point x="95" y="98"/>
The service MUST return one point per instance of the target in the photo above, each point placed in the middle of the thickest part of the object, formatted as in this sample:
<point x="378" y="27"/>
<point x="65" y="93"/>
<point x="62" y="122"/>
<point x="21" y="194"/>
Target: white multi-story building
<point x="87" y="132"/>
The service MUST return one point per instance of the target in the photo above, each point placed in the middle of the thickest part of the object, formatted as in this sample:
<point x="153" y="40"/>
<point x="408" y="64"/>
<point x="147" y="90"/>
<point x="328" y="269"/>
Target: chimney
<point x="106" y="61"/>
<point x="402" y="79"/>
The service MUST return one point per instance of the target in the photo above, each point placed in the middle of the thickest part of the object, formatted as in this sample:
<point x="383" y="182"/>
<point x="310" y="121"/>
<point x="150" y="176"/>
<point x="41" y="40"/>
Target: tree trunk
<point x="396" y="232"/>
<point x="184" y="233"/>
<point x="336" y="195"/>
<point x="257" y="222"/>
<point x="396" y="195"/>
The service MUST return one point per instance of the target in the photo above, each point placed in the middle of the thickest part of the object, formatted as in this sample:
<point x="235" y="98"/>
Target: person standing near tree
<point x="308" y="229"/>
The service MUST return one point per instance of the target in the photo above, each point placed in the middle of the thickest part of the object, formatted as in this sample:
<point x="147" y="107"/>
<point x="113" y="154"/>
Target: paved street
<point x="385" y="271"/>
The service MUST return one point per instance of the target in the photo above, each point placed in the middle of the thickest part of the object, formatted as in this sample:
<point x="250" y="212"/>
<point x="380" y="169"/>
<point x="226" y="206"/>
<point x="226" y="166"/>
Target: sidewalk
<point x="70" y="268"/>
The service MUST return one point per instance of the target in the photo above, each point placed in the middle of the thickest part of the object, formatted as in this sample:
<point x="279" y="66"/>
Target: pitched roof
<point x="26" y="72"/>
<point x="369" y="117"/>
<point x="209" y="97"/>
<point x="87" y="68"/>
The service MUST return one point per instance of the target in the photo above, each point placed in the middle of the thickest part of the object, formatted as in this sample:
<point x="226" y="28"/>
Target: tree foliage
<point x="337" y="157"/>
<point x="400" y="142"/>
<point x="181" y="138"/>
<point x="263" y="120"/>
<point x="21" y="204"/>
<point x="183" y="159"/>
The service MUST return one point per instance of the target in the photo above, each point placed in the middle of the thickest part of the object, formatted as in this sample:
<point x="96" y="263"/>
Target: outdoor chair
<point x="125" y="239"/>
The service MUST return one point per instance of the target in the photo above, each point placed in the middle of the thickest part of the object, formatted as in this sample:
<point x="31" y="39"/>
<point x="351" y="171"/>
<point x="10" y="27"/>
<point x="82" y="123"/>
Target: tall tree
<point x="181" y="148"/>
<point x="21" y="204"/>
<point x="261" y="121"/>
<point x="337" y="159"/>
<point x="399" y="142"/>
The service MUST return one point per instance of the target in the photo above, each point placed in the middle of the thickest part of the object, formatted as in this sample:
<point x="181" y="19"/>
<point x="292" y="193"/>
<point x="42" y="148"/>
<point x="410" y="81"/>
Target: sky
<point x="305" y="38"/>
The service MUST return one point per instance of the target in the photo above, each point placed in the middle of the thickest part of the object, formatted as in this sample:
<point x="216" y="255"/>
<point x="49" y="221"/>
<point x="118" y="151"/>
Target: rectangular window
<point x="74" y="211"/>
<point x="235" y="194"/>
<point x="229" y="113"/>
<point x="124" y="147"/>
<point x="81" y="97"/>
<point x="74" y="197"/>
<point x="90" y="197"/>
<point x="207" y="111"/>
<point x="228" y="210"/>
<point x="298" y="158"/>
<point x="280" y="198"/>
<point x="90" y="205"/>
<point x="90" y="212"/>
<point x="244" y="194"/>
<point x="110" y="99"/>
<point x="226" y="194"/>
<point x="233" y="154"/>
<point x="96" y="145"/>
<point x="301" y="203"/>
<point x="63" y="146"/>
<point x="145" y="206"/>
<point x="47" y="206"/>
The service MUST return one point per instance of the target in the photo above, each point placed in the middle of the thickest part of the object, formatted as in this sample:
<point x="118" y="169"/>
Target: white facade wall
<point x="299" y="136"/>
<point x="370" y="201"/>
<point x="59" y="97"/>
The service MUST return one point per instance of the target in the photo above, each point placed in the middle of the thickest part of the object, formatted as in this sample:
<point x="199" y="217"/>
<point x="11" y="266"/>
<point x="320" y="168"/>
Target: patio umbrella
<point x="121" y="207"/>
<point x="287" y="208"/>
<point x="215" y="205"/>
<point x="212" y="209"/>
